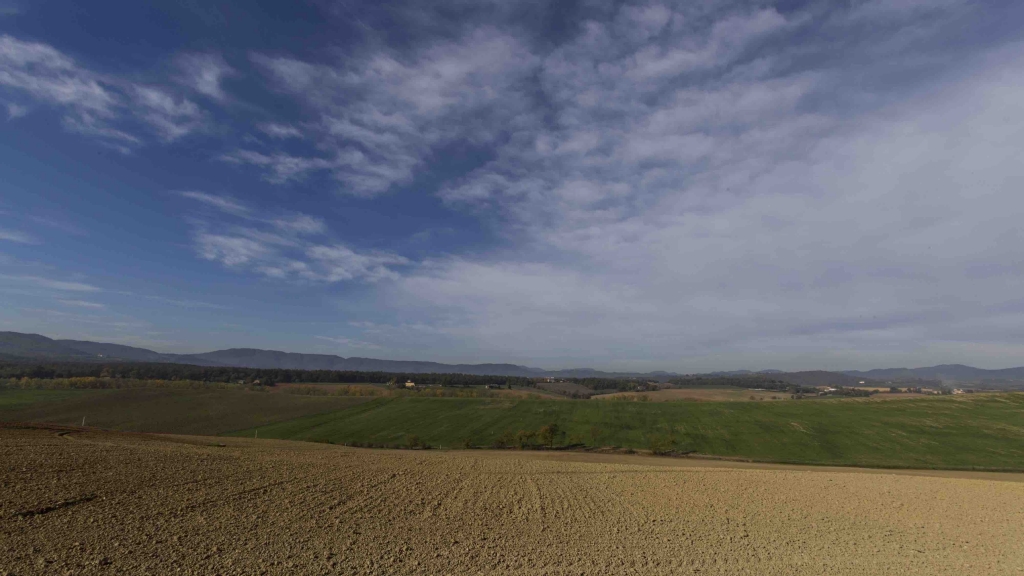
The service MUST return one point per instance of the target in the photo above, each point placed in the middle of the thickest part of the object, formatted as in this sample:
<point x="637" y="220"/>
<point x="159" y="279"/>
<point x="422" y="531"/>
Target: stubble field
<point x="89" y="502"/>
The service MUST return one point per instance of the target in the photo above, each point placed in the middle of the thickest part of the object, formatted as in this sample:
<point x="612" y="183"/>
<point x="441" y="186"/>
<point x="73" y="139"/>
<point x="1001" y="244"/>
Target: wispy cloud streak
<point x="294" y="247"/>
<point x="93" y="103"/>
<point x="16" y="236"/>
<point x="42" y="282"/>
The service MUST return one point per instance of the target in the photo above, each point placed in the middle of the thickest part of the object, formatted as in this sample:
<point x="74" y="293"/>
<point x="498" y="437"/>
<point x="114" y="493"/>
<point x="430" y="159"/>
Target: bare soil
<point x="75" y="501"/>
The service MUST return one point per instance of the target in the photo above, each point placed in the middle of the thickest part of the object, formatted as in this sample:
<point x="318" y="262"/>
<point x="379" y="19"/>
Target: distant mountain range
<point x="944" y="372"/>
<point x="19" y="346"/>
<point x="16" y="345"/>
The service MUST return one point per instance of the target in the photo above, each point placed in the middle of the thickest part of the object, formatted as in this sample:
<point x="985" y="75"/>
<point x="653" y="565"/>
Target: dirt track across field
<point x="87" y="502"/>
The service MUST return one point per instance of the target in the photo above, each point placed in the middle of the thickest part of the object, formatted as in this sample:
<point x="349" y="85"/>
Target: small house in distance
<point x="410" y="384"/>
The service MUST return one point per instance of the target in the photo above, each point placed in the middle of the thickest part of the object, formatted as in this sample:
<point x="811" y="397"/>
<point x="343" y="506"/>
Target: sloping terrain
<point x="821" y="378"/>
<point x="967" y="431"/>
<point x="18" y="345"/>
<point x="163" y="505"/>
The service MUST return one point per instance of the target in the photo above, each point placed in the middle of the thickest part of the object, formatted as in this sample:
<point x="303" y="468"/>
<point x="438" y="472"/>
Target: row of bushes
<point x="545" y="436"/>
<point x="628" y="398"/>
<point x="336" y="390"/>
<point x="551" y="434"/>
<point x="412" y="442"/>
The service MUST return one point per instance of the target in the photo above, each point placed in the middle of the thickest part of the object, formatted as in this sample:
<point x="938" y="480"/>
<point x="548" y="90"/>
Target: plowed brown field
<point x="86" y="502"/>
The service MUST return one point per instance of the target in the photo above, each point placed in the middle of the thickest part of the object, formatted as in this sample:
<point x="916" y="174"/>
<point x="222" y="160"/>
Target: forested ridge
<point x="264" y="376"/>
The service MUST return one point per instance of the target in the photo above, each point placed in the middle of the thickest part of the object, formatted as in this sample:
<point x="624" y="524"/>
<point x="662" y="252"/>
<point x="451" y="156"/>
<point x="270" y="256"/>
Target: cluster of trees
<point x="602" y="385"/>
<point x="747" y="382"/>
<point x="265" y="376"/>
<point x="619" y="384"/>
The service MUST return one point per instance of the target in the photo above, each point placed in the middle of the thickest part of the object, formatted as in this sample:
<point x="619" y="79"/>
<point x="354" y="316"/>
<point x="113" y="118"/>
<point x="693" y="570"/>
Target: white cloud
<point x="15" y="111"/>
<point x="339" y="262"/>
<point x="292" y="258"/>
<point x="50" y="284"/>
<point x="204" y="73"/>
<point x="672" y="183"/>
<point x="788" y="245"/>
<point x="725" y="40"/>
<point x="349" y="342"/>
<point x="300" y="224"/>
<point x="94" y="104"/>
<point x="285" y="247"/>
<point x="889" y="10"/>
<point x="16" y="236"/>
<point x="289" y="247"/>
<point x="283" y="167"/>
<point x="232" y="250"/>
<point x="45" y="73"/>
<point x="282" y="131"/>
<point x="223" y="203"/>
<point x="83" y="304"/>
<point x="183" y="303"/>
<point x="713" y="206"/>
<point x="378" y="116"/>
<point x="170" y="117"/>
<point x="643" y="22"/>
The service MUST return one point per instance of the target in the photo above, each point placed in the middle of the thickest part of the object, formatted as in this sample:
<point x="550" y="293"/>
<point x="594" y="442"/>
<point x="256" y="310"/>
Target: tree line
<point x="272" y="376"/>
<point x="748" y="382"/>
<point x="263" y="376"/>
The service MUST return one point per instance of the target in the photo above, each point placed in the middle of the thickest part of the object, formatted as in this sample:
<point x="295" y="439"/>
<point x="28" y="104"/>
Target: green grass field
<point x="178" y="411"/>
<point x="965" y="432"/>
<point x="983" y="431"/>
<point x="12" y="400"/>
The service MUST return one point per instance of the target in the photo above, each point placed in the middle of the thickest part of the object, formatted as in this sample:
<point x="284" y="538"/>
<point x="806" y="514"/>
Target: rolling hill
<point x="944" y="372"/>
<point x="36" y="347"/>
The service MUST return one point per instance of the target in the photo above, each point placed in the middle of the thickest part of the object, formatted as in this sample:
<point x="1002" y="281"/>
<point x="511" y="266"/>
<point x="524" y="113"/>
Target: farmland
<point x="183" y="411"/>
<point x="140" y="504"/>
<point x="134" y="503"/>
<point x="982" y="431"/>
<point x="698" y="394"/>
<point x="339" y="389"/>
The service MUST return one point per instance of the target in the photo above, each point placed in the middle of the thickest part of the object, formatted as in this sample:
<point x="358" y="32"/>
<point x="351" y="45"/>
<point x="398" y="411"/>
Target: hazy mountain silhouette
<point x="17" y="345"/>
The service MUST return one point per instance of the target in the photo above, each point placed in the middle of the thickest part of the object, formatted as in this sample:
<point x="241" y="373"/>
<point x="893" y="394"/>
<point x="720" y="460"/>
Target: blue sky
<point x="634" y="186"/>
